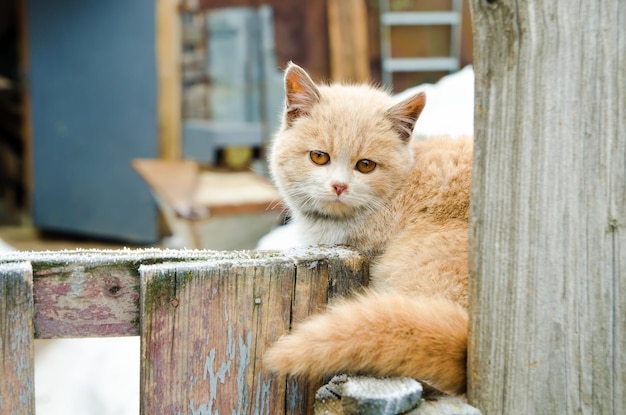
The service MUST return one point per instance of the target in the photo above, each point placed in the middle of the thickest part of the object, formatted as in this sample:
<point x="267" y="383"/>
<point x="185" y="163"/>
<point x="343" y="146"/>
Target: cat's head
<point x="342" y="150"/>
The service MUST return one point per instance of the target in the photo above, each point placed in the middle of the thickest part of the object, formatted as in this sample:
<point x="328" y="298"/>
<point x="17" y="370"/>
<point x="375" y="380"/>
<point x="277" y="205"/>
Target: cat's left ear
<point x="404" y="114"/>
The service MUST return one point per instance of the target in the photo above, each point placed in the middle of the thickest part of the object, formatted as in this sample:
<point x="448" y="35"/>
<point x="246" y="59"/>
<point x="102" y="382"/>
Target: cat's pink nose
<point x="339" y="188"/>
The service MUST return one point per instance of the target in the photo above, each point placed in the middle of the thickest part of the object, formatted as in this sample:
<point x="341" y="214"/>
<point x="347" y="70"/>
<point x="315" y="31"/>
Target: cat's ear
<point x="300" y="93"/>
<point x="404" y="114"/>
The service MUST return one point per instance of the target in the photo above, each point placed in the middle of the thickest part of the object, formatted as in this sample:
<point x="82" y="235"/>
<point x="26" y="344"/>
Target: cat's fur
<point x="409" y="216"/>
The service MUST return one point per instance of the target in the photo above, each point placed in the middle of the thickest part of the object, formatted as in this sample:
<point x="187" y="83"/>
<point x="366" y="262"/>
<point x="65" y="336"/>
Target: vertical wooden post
<point x="168" y="46"/>
<point x="347" y="30"/>
<point x="548" y="243"/>
<point x="17" y="358"/>
<point x="205" y="327"/>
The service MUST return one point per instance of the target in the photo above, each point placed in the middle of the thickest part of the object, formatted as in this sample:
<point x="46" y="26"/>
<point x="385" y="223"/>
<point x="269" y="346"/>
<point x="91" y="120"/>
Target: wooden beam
<point x="347" y="30"/>
<point x="92" y="293"/>
<point x="168" y="45"/>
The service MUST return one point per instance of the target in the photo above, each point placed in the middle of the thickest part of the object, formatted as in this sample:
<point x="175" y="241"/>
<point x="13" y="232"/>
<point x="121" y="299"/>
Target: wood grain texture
<point x="91" y="293"/>
<point x="206" y="319"/>
<point x="206" y="325"/>
<point x="17" y="358"/>
<point x="95" y="293"/>
<point x="548" y="245"/>
<point x="347" y="32"/>
<point x="311" y="293"/>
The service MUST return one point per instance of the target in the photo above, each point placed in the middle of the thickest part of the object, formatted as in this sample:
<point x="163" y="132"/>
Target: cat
<point x="345" y="164"/>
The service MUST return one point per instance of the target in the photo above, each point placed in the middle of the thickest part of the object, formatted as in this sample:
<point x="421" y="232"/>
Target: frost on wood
<point x="205" y="317"/>
<point x="96" y="292"/>
<point x="156" y="255"/>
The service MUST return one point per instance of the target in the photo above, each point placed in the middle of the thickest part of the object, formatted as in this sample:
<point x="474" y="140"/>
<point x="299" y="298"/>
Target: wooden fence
<point x="204" y="317"/>
<point x="547" y="224"/>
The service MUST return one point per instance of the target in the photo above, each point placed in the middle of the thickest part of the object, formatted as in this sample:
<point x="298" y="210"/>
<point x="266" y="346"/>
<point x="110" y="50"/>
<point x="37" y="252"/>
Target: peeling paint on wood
<point x="79" y="301"/>
<point x="203" y="347"/>
<point x="17" y="395"/>
<point x="205" y="355"/>
<point x="95" y="293"/>
<point x="205" y="318"/>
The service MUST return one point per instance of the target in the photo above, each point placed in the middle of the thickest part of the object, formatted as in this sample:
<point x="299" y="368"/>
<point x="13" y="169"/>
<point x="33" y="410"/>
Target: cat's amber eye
<point x="365" y="166"/>
<point x="319" y="157"/>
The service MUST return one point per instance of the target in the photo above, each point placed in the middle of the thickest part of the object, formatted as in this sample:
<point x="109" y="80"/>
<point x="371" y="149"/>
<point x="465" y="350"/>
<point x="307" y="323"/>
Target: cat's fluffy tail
<point x="380" y="335"/>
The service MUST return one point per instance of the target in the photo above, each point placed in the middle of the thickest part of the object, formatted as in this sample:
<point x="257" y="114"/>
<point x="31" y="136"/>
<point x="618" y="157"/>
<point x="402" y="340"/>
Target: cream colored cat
<point x="347" y="168"/>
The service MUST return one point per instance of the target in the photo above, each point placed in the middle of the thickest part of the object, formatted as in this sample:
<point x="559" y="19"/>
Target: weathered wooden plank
<point x="17" y="358"/>
<point x="196" y="343"/>
<point x="78" y="300"/>
<point x="94" y="293"/>
<point x="348" y="276"/>
<point x="334" y="279"/>
<point x="88" y="293"/>
<point x="206" y="325"/>
<point x="548" y="257"/>
<point x="310" y="296"/>
<point x="272" y="319"/>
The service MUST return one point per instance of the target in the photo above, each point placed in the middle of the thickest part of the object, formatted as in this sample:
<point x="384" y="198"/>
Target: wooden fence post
<point x="548" y="244"/>
<point x="17" y="358"/>
<point x="205" y="327"/>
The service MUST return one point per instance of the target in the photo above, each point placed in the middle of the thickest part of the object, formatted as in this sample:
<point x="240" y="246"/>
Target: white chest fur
<point x="322" y="232"/>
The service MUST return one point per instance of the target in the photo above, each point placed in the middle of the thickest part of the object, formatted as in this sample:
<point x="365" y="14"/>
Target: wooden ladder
<point x="388" y="18"/>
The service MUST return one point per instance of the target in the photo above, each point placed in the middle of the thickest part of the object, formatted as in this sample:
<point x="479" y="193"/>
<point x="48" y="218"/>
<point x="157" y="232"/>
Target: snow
<point x="96" y="376"/>
<point x="281" y="238"/>
<point x="5" y="247"/>
<point x="449" y="105"/>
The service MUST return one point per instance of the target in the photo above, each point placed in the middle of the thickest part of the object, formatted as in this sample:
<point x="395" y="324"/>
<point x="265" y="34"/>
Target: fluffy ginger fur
<point x="409" y="215"/>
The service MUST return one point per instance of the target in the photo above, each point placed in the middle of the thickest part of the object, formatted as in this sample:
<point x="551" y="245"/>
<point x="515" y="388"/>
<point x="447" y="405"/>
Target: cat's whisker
<point x="274" y="204"/>
<point x="303" y="200"/>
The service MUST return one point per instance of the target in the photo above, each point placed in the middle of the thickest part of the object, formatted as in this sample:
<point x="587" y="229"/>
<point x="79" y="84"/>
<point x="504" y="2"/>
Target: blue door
<point x="92" y="83"/>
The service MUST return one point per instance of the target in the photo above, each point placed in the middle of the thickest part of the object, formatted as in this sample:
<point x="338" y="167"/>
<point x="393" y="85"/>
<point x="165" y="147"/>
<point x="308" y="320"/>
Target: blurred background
<point x="145" y="123"/>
